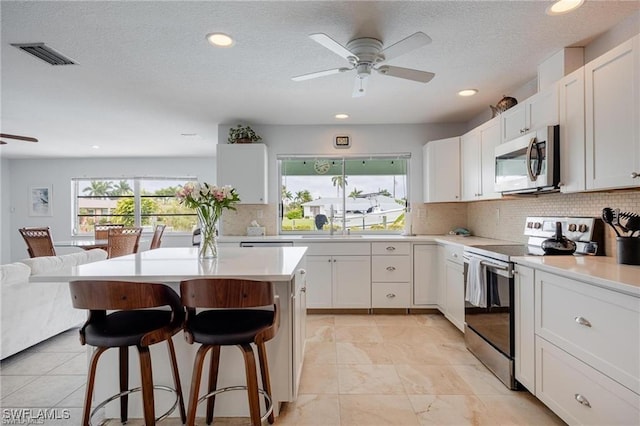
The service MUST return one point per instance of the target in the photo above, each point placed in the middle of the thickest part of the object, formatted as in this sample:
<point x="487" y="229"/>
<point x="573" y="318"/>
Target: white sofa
<point x="33" y="312"/>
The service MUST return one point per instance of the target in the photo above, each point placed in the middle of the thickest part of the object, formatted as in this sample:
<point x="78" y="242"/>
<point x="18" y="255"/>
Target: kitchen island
<point x="285" y="266"/>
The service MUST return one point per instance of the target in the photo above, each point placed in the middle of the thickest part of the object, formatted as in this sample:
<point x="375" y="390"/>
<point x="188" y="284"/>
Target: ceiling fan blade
<point x="333" y="45"/>
<point x="319" y="74"/>
<point x="406" y="45"/>
<point x="3" y="143"/>
<point x="21" y="138"/>
<point x="406" y="73"/>
<point x="360" y="87"/>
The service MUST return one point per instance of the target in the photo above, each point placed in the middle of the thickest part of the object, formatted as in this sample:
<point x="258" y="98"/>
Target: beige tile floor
<point x="359" y="370"/>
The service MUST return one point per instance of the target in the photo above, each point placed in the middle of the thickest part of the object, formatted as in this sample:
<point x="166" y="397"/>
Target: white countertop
<point x="297" y="239"/>
<point x="176" y="264"/>
<point x="597" y="270"/>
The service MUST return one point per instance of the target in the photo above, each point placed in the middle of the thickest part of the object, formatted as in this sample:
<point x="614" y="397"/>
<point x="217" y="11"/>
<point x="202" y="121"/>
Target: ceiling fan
<point x="20" y="138"/>
<point x="367" y="54"/>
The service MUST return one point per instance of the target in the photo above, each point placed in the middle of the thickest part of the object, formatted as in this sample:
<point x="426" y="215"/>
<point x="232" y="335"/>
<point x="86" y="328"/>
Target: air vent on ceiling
<point x="44" y="52"/>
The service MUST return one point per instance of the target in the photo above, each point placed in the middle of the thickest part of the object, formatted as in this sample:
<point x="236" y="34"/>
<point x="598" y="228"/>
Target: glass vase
<point x="208" y="238"/>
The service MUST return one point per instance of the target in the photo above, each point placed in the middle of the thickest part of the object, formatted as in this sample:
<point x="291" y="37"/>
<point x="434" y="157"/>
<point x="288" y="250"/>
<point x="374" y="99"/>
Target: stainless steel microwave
<point x="529" y="163"/>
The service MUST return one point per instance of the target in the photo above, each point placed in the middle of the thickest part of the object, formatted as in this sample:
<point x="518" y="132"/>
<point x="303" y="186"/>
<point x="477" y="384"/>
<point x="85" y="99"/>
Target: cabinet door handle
<point x="303" y="290"/>
<point x="390" y="296"/>
<point x="391" y="248"/>
<point x="583" y="321"/>
<point x="635" y="175"/>
<point x="391" y="268"/>
<point x="302" y="272"/>
<point x="582" y="400"/>
<point x="334" y="261"/>
<point x="454" y="255"/>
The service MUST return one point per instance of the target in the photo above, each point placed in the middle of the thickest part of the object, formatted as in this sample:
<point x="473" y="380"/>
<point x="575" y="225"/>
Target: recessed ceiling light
<point x="95" y="147"/>
<point x="468" y="92"/>
<point x="342" y="116"/>
<point x="220" y="39"/>
<point x="563" y="6"/>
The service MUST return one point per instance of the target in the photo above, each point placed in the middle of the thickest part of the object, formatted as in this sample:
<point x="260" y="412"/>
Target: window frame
<point x="406" y="156"/>
<point x="137" y="197"/>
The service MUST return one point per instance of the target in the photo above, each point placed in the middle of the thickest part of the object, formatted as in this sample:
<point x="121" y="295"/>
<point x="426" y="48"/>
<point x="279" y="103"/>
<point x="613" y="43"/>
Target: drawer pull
<point x="302" y="272"/>
<point x="391" y="248"/>
<point x="583" y="321"/>
<point x="454" y="255"/>
<point x="390" y="296"/>
<point x="303" y="290"/>
<point x="582" y="400"/>
<point x="391" y="268"/>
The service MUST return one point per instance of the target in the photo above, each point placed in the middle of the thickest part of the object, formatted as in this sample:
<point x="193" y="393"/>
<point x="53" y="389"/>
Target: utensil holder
<point x="628" y="250"/>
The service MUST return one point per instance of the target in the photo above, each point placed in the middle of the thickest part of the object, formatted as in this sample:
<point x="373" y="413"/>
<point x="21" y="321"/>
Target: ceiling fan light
<point x="563" y="6"/>
<point x="468" y="92"/>
<point x="220" y="40"/>
<point x="342" y="116"/>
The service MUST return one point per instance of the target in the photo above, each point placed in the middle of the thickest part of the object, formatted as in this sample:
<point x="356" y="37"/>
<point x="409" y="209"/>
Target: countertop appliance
<point x="489" y="326"/>
<point x="529" y="163"/>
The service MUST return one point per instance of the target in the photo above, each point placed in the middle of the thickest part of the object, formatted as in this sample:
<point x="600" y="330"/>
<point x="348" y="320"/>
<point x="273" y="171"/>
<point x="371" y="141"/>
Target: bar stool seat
<point x="133" y="323"/>
<point x="231" y="312"/>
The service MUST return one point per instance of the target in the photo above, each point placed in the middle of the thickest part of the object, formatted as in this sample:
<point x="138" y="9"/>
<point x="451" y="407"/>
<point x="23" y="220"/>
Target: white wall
<point x="5" y="189"/>
<point x="365" y="139"/>
<point x="58" y="172"/>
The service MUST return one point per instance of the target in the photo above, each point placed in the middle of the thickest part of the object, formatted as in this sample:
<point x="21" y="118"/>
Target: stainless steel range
<point x="489" y="293"/>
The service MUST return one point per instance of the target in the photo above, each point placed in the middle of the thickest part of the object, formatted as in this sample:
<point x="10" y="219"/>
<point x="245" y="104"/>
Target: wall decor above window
<point x="342" y="141"/>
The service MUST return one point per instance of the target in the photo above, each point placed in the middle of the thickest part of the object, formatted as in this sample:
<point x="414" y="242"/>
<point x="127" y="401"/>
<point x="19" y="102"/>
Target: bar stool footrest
<point x="138" y="389"/>
<point x="236" y="388"/>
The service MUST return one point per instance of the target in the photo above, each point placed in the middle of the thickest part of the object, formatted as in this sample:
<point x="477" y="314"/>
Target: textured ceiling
<point x="146" y="74"/>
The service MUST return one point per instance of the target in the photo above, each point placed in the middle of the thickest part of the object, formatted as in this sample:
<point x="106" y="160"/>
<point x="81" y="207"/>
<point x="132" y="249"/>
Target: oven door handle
<point x="533" y="175"/>
<point x="491" y="265"/>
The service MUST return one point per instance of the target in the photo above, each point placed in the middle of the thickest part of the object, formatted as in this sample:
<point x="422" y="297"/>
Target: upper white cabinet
<point x="612" y="104"/>
<point x="535" y="112"/>
<point x="244" y="166"/>
<point x="441" y="170"/>
<point x="478" y="161"/>
<point x="572" y="129"/>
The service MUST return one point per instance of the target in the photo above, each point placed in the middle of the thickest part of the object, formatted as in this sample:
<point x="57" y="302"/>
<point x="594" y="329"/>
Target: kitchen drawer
<point x="391" y="248"/>
<point x="390" y="295"/>
<point x="336" y="249"/>
<point x="390" y="268"/>
<point x="599" y="326"/>
<point x="453" y="253"/>
<point x="562" y="381"/>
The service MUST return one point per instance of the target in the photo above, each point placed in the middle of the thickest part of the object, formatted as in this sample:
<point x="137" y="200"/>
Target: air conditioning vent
<point x="44" y="52"/>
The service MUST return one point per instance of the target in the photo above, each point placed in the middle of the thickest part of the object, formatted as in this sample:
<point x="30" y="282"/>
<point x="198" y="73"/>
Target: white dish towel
<point x="476" y="292"/>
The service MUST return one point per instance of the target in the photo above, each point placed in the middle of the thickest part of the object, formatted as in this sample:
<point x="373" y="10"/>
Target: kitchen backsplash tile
<point x="236" y="222"/>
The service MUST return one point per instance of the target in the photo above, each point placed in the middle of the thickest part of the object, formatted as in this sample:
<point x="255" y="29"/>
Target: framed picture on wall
<point x="40" y="197"/>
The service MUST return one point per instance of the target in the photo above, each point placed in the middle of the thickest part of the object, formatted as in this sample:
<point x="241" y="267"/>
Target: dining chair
<point x="38" y="241"/>
<point x="156" y="241"/>
<point x="122" y="314"/>
<point x="101" y="231"/>
<point x="230" y="312"/>
<point x="123" y="241"/>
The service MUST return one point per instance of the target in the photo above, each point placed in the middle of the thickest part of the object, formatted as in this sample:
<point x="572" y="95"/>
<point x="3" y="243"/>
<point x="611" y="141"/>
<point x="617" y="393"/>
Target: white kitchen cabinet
<point x="441" y="170"/>
<point x="442" y="285"/>
<point x="478" y="162"/>
<point x="612" y="105"/>
<point x="339" y="281"/>
<point x="525" y="353"/>
<point x="390" y="275"/>
<point x="299" y="309"/>
<point x="244" y="166"/>
<point x="454" y="286"/>
<point x="533" y="113"/>
<point x="425" y="274"/>
<point x="572" y="131"/>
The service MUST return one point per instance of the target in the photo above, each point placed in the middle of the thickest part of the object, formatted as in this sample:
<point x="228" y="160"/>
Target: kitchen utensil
<point x="616" y="221"/>
<point x="607" y="217"/>
<point x="633" y="224"/>
<point x="558" y="244"/>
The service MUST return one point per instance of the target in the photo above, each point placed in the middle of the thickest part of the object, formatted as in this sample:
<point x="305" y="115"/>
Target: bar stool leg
<point x="176" y="378"/>
<point x="195" y="384"/>
<point x="146" y="378"/>
<point x="213" y="381"/>
<point x="264" y="372"/>
<point x="124" y="382"/>
<point x="91" y="379"/>
<point x="252" y="383"/>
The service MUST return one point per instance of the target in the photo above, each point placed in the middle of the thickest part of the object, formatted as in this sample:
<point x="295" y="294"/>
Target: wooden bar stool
<point x="133" y="324"/>
<point x="38" y="241"/>
<point x="240" y="312"/>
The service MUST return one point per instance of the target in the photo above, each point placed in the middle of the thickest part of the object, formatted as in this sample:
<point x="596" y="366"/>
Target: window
<point x="133" y="201"/>
<point x="354" y="194"/>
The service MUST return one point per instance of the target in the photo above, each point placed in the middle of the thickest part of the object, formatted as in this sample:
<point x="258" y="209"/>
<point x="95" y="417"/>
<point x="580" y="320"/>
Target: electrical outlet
<point x="259" y="214"/>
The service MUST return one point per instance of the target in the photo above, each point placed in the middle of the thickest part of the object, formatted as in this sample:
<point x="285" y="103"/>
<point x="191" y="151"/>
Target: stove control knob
<point x="537" y="225"/>
<point x="572" y="227"/>
<point x="583" y="228"/>
<point x="529" y="225"/>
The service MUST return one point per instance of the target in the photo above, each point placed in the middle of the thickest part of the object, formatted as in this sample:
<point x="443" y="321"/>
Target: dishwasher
<point x="266" y="244"/>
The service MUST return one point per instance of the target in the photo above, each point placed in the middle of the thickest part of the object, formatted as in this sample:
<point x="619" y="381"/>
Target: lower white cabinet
<point x="390" y="295"/>
<point x="339" y="281"/>
<point x="425" y="274"/>
<point x="454" y="282"/>
<point x="525" y="327"/>
<point x="299" y="310"/>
